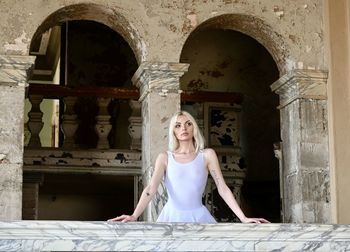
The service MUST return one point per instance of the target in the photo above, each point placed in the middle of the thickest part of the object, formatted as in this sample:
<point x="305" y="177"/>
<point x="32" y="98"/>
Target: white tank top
<point x="186" y="182"/>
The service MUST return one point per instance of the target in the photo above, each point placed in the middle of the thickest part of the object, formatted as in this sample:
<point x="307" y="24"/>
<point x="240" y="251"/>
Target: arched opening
<point x="82" y="83"/>
<point x="243" y="130"/>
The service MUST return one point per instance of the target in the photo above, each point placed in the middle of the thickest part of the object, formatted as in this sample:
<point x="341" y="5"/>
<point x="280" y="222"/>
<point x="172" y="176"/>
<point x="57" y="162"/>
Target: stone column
<point x="13" y="81"/>
<point x="304" y="133"/>
<point x="160" y="97"/>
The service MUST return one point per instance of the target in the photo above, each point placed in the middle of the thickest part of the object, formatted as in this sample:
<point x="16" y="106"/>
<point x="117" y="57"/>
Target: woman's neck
<point x="185" y="148"/>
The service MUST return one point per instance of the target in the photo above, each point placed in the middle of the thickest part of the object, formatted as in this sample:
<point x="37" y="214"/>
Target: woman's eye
<point x="177" y="126"/>
<point x="189" y="124"/>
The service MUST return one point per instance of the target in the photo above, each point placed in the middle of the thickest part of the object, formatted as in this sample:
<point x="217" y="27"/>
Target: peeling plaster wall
<point x="163" y="26"/>
<point x="292" y="31"/>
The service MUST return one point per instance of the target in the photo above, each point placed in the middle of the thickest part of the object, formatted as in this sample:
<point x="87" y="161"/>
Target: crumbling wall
<point x="291" y="30"/>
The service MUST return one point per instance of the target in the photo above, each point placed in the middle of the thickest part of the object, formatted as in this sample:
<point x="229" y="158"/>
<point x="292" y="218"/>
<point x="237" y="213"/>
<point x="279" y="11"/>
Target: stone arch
<point x="255" y="28"/>
<point x="259" y="119"/>
<point x="98" y="13"/>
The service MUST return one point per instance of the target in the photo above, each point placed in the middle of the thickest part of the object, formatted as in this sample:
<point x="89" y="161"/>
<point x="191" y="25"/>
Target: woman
<point x="185" y="167"/>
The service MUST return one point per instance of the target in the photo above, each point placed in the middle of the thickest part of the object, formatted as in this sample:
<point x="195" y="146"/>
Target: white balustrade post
<point x="135" y="126"/>
<point x="70" y="122"/>
<point x="103" y="125"/>
<point x="35" y="122"/>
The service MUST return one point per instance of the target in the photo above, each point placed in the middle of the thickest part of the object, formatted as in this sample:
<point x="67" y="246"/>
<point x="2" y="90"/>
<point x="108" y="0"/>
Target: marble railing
<point x="140" y="236"/>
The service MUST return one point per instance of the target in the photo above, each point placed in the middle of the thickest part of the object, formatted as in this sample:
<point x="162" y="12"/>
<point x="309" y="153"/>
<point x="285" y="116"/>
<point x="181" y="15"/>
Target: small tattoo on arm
<point x="215" y="176"/>
<point x="147" y="194"/>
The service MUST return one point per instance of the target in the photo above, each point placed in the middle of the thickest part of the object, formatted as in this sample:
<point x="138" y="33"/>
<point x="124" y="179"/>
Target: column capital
<point x="14" y="69"/>
<point x="301" y="83"/>
<point x="161" y="77"/>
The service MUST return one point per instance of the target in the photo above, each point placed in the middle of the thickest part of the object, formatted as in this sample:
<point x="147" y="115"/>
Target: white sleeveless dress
<point x="185" y="185"/>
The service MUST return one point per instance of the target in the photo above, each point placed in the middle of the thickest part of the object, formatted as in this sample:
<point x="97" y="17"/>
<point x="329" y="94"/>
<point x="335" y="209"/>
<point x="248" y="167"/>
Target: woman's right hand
<point x="123" y="218"/>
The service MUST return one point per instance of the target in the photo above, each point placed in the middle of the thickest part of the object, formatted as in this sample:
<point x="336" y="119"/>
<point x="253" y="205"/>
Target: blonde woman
<point x="185" y="167"/>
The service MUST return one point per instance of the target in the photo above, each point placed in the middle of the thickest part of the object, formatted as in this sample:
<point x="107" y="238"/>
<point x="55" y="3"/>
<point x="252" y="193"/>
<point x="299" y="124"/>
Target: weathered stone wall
<point x="156" y="30"/>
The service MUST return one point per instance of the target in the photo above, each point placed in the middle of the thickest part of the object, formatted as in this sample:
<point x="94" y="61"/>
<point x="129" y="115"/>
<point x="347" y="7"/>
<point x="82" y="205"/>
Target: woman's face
<point x="183" y="128"/>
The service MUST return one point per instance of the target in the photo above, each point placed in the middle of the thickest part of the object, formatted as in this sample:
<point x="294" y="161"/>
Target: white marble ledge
<point x="141" y="236"/>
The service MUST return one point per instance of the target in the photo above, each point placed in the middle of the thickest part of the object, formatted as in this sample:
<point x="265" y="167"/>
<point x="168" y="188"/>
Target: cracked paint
<point x="141" y="45"/>
<point x="192" y="17"/>
<point x="279" y="12"/>
<point x="308" y="48"/>
<point x="3" y="158"/>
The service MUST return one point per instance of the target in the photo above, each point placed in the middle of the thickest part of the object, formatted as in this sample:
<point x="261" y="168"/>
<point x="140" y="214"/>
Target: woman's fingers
<point x="262" y="220"/>
<point x="118" y="218"/>
<point x="256" y="220"/>
<point x="123" y="218"/>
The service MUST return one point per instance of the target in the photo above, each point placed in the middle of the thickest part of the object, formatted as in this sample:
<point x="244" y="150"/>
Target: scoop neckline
<point x="172" y="156"/>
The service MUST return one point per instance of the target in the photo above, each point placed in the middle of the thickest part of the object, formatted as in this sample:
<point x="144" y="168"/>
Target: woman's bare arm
<point x="149" y="191"/>
<point x="213" y="166"/>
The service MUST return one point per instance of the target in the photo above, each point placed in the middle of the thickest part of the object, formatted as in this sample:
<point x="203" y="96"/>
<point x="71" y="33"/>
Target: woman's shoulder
<point x="208" y="151"/>
<point x="163" y="155"/>
<point x="209" y="155"/>
<point x="162" y="159"/>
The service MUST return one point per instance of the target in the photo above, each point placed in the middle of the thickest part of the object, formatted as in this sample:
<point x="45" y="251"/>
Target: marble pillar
<point x="160" y="97"/>
<point x="13" y="81"/>
<point x="304" y="132"/>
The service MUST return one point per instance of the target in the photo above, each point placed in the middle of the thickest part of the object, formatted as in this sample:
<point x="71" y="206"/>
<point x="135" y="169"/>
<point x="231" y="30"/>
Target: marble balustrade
<point x="70" y="122"/>
<point x="142" y="236"/>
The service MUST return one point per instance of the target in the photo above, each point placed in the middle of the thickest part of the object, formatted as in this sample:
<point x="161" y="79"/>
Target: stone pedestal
<point x="304" y="133"/>
<point x="160" y="97"/>
<point x="13" y="80"/>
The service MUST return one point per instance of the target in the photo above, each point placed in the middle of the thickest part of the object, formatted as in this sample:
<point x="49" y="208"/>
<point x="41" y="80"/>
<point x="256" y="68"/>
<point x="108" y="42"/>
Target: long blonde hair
<point x="198" y="139"/>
